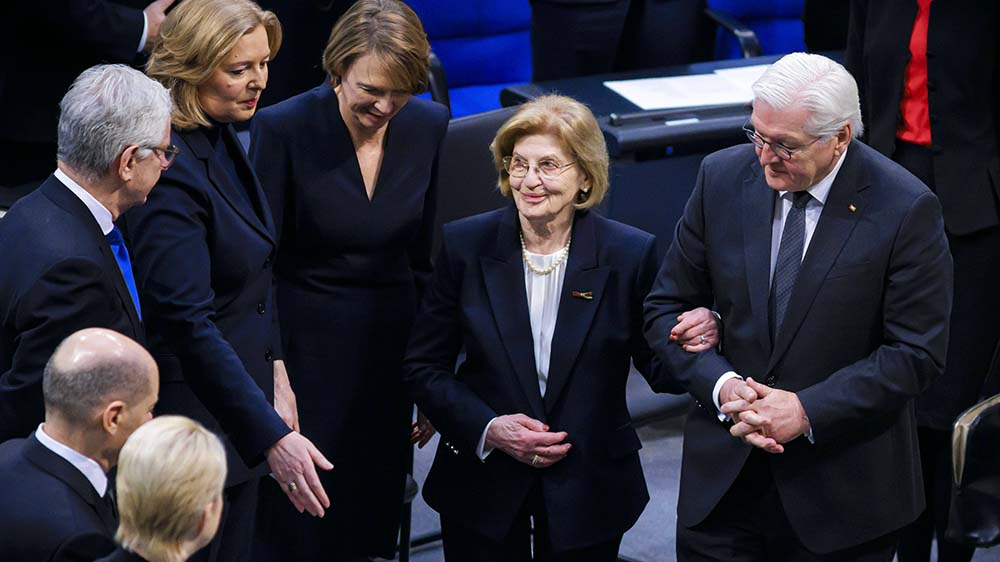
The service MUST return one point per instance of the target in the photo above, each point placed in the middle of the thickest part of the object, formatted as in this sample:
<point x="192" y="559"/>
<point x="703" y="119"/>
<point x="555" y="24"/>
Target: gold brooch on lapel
<point x="852" y="207"/>
<point x="586" y="295"/>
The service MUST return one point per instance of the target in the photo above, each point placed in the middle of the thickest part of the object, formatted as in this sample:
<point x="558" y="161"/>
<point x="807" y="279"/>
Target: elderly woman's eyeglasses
<point x="780" y="150"/>
<point x="547" y="168"/>
<point x="167" y="154"/>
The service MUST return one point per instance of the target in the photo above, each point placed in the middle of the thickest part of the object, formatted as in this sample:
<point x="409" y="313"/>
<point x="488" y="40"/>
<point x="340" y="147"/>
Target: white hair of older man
<point x="108" y="108"/>
<point x="813" y="82"/>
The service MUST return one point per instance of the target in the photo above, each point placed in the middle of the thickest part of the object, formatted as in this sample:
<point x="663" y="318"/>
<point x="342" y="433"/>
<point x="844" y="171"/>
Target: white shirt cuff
<point x="718" y="388"/>
<point x="145" y="31"/>
<point x="482" y="449"/>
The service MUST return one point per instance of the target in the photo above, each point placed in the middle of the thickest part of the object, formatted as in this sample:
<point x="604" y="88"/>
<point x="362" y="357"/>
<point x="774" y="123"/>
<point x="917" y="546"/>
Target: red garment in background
<point x="914" y="114"/>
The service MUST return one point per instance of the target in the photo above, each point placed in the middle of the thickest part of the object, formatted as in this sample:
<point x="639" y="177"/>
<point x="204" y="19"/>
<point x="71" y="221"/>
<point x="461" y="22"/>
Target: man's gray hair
<point x="819" y="85"/>
<point x="108" y="108"/>
<point x="80" y="389"/>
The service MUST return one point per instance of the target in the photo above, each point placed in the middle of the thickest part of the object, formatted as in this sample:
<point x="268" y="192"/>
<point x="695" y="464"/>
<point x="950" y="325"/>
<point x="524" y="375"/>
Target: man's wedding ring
<point x="292" y="487"/>
<point x="702" y="339"/>
<point x="534" y="460"/>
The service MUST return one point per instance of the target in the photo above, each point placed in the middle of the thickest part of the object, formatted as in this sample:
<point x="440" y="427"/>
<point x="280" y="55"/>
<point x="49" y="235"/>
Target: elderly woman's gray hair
<point x="813" y="82"/>
<point x="108" y="108"/>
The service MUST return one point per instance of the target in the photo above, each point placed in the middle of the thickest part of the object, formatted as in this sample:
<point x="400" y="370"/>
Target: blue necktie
<point x="786" y="268"/>
<point x="124" y="264"/>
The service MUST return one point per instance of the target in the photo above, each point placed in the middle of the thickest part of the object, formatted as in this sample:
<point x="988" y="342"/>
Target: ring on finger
<point x="534" y="460"/>
<point x="702" y="339"/>
<point x="292" y="487"/>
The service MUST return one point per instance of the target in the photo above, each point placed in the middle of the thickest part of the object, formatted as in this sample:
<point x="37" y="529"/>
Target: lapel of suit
<point x="836" y="223"/>
<point x="576" y="314"/>
<point x="234" y="195"/>
<point x="758" y="215"/>
<point x="503" y="274"/>
<point x="48" y="461"/>
<point x="256" y="192"/>
<point x="64" y="198"/>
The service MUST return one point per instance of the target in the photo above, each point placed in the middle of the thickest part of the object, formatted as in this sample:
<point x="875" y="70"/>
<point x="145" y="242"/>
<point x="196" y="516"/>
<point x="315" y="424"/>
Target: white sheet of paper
<point x="723" y="87"/>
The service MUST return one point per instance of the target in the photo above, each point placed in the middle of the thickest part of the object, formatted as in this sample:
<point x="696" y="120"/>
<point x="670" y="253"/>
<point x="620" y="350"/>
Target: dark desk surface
<point x="629" y="130"/>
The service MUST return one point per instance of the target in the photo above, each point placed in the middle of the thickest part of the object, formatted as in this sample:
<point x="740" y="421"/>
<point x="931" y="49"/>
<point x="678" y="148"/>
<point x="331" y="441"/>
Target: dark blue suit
<point x="48" y="508"/>
<point x="122" y="555"/>
<point x="865" y="332"/>
<point x="59" y="275"/>
<point x="478" y="301"/>
<point x="349" y="271"/>
<point x="204" y="245"/>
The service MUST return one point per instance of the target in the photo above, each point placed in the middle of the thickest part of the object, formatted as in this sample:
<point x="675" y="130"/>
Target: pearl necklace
<point x="563" y="254"/>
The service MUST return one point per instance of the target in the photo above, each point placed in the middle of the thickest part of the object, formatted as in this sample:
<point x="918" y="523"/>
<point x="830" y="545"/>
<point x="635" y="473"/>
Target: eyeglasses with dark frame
<point x="167" y="154"/>
<point x="547" y="168"/>
<point x="780" y="150"/>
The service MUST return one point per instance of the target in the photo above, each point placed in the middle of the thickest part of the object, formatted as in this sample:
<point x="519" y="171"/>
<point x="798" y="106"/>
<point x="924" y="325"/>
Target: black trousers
<point x="750" y="525"/>
<point x="527" y="541"/>
<point x="580" y="39"/>
<point x="232" y="542"/>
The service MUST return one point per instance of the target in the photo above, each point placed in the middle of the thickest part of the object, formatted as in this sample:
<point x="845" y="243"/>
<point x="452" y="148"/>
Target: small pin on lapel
<point x="586" y="295"/>
<point x="852" y="207"/>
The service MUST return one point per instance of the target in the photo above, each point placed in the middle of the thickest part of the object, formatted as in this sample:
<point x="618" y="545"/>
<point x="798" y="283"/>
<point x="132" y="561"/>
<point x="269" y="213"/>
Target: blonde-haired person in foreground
<point x="170" y="478"/>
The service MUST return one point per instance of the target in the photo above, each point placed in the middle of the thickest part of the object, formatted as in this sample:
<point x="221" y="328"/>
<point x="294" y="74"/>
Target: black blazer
<point x="46" y="505"/>
<point x="865" y="332"/>
<point x="963" y="84"/>
<point x="59" y="275"/>
<point x="122" y="555"/>
<point x="477" y="300"/>
<point x="204" y="246"/>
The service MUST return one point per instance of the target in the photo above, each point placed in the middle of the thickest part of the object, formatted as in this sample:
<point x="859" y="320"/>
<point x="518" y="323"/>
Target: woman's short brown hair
<point x="575" y="127"/>
<point x="194" y="40"/>
<point x="387" y="29"/>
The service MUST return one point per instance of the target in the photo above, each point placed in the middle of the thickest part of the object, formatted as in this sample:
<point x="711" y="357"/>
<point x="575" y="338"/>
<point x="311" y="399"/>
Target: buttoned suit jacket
<point x="59" y="275"/>
<point x="204" y="247"/>
<point x="865" y="331"/>
<point x="477" y="301"/>
<point x="48" y="505"/>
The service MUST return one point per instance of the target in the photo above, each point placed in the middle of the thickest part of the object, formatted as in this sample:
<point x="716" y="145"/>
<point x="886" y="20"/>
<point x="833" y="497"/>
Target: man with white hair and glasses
<point x="65" y="266"/>
<point x="829" y="266"/>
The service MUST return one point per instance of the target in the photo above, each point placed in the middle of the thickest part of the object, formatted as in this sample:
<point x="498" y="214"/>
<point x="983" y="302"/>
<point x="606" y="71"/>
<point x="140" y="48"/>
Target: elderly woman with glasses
<point x="349" y="171"/>
<point x="545" y="297"/>
<point x="203" y="248"/>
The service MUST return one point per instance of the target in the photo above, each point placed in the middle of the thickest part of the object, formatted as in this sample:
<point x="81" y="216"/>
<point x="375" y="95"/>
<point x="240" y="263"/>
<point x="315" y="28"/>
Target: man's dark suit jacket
<point x="478" y="300"/>
<point x="204" y="246"/>
<point x="59" y="275"/>
<point x="122" y="555"/>
<point x="47" y="504"/>
<point x="43" y="48"/>
<point x="963" y="73"/>
<point x="865" y="332"/>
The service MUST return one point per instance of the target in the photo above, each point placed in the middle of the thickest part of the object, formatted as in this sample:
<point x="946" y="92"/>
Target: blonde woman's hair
<point x="391" y="32"/>
<point x="575" y="127"/>
<point x="194" y="40"/>
<point x="169" y="470"/>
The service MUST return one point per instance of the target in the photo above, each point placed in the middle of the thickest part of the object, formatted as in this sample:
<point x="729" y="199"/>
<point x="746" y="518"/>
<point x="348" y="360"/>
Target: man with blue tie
<point x="65" y="266"/>
<point x="829" y="266"/>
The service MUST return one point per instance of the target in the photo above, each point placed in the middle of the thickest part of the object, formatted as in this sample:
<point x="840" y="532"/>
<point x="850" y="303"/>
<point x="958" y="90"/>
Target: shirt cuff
<point x="482" y="449"/>
<point x="718" y="388"/>
<point x="145" y="31"/>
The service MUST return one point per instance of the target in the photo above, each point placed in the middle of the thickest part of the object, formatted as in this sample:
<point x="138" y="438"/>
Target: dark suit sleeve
<point x="171" y="236"/>
<point x="684" y="283"/>
<point x="110" y="31"/>
<point x="429" y="369"/>
<point x="270" y="159"/>
<point x="71" y="295"/>
<point x="420" y="247"/>
<point x="86" y="547"/>
<point x="916" y="309"/>
<point x="655" y="371"/>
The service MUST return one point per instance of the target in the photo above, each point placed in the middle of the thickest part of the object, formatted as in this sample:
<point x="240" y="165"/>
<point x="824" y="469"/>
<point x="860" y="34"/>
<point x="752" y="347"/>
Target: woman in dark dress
<point x="348" y="168"/>
<point x="202" y="249"/>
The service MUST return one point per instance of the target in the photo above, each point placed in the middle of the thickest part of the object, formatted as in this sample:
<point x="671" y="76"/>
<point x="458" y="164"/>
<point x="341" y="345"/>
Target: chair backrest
<point x="777" y="23"/>
<point x="466" y="178"/>
<point x="483" y="45"/>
